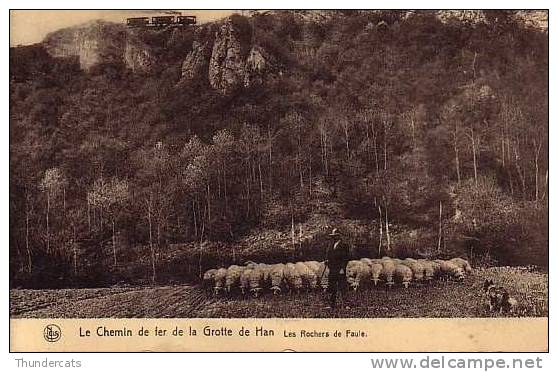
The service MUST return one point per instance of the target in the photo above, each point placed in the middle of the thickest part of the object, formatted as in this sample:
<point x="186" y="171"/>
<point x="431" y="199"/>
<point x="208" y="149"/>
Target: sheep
<point x="429" y="269"/>
<point x="375" y="266"/>
<point x="416" y="268"/>
<point x="256" y="280"/>
<point x="250" y="264"/>
<point x="450" y="270"/>
<point x="232" y="278"/>
<point x="309" y="278"/>
<point x="353" y="272"/>
<point x="245" y="279"/>
<point x="266" y="270"/>
<point x="323" y="276"/>
<point x="464" y="264"/>
<point x="293" y="278"/>
<point x="321" y="271"/>
<point x="375" y="272"/>
<point x="403" y="274"/>
<point x="220" y="277"/>
<point x="208" y="278"/>
<point x="277" y="276"/>
<point x="388" y="268"/>
<point x="437" y="269"/>
<point x="314" y="266"/>
<point x="358" y="273"/>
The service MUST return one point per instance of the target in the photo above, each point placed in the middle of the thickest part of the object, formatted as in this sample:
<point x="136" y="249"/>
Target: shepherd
<point x="336" y="261"/>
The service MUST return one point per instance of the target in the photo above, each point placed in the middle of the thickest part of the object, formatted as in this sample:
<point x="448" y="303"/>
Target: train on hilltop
<point x="161" y="21"/>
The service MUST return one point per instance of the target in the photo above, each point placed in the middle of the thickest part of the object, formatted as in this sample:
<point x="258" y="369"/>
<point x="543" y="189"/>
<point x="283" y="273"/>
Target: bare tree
<point x="388" y="237"/>
<point x="474" y="150"/>
<point x="440" y="228"/>
<point x="109" y="197"/>
<point x="52" y="183"/>
<point x="537" y="145"/>
<point x="381" y="230"/>
<point x="28" y="209"/>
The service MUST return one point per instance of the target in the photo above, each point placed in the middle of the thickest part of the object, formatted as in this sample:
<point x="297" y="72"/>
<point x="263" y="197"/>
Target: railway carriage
<point x="137" y="21"/>
<point x="161" y="21"/>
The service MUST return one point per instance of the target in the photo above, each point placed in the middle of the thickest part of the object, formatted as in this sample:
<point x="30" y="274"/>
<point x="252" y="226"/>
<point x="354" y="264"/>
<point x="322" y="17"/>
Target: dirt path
<point x="151" y="302"/>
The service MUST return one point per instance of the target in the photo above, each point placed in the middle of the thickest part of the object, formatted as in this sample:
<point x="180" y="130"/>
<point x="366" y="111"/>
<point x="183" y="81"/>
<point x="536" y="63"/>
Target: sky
<point x="31" y="26"/>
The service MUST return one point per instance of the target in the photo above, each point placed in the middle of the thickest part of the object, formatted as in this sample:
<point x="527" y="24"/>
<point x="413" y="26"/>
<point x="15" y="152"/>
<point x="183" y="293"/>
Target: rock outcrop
<point x="100" y="42"/>
<point x="255" y="67"/>
<point x="462" y="16"/>
<point x="137" y="55"/>
<point x="223" y="53"/>
<point x="537" y="19"/>
<point x="227" y="61"/>
<point x="227" y="64"/>
<point x="196" y="63"/>
<point x="93" y="43"/>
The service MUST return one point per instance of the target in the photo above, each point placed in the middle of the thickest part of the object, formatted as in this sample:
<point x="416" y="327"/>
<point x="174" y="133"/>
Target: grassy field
<point x="186" y="301"/>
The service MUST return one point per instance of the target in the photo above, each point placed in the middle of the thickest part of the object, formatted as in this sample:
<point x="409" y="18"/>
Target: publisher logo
<point x="52" y="333"/>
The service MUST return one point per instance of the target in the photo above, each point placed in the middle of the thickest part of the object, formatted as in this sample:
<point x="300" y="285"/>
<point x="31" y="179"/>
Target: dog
<point x="498" y="298"/>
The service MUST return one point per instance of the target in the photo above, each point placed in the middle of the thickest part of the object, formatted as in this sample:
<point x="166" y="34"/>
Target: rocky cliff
<point x="196" y="63"/>
<point x="220" y="53"/>
<point x="223" y="54"/>
<point x="227" y="64"/>
<point x="138" y="56"/>
<point x="227" y="61"/>
<point x="100" y="42"/>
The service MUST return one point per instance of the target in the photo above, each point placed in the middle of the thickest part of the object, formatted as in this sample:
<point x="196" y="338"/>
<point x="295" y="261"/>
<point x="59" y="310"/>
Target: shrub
<point x="499" y="228"/>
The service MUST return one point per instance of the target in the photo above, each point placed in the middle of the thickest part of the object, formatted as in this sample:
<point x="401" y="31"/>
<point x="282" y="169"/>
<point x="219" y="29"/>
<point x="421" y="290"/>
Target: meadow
<point x="439" y="300"/>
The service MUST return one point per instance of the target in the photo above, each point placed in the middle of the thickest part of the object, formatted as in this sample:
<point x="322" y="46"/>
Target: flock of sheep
<point x="254" y="278"/>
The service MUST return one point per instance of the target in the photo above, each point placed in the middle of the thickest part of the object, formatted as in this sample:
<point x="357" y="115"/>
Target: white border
<point x="249" y="362"/>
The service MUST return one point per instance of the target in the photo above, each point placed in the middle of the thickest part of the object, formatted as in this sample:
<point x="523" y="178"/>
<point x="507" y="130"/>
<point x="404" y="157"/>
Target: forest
<point x="415" y="137"/>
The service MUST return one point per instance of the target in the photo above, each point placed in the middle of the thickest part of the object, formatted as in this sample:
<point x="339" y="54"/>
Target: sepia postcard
<point x="279" y="180"/>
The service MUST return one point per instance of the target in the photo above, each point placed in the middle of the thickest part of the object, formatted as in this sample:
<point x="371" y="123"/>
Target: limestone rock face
<point x="138" y="56"/>
<point x="255" y="67"/>
<point x="93" y="43"/>
<point x="100" y="42"/>
<point x="226" y="65"/>
<point x="222" y="54"/>
<point x="469" y="16"/>
<point x="537" y="19"/>
<point x="226" y="60"/>
<point x="196" y="63"/>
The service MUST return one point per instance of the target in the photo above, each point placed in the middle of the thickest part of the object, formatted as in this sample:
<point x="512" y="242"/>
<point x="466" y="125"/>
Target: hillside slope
<point x="154" y="154"/>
